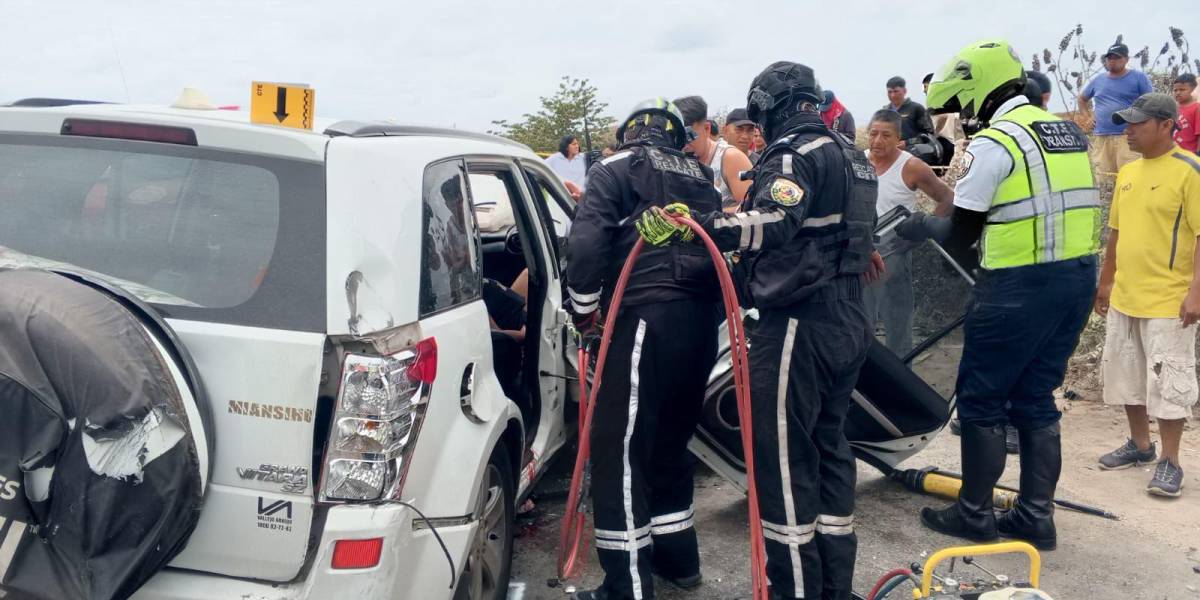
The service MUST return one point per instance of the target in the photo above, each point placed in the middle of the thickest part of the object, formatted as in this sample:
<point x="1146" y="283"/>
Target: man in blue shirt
<point x="1113" y="91"/>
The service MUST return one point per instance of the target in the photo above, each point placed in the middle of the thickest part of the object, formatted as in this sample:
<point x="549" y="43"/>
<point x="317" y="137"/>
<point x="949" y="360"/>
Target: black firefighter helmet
<point x="657" y="120"/>
<point x="783" y="87"/>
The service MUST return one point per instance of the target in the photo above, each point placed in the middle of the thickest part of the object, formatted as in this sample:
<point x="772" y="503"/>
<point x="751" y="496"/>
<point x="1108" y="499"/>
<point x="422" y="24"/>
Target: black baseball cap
<point x="738" y="117"/>
<point x="1150" y="106"/>
<point x="1118" y="49"/>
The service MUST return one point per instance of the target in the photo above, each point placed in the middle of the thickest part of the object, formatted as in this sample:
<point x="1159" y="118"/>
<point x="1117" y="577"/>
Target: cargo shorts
<point x="1151" y="363"/>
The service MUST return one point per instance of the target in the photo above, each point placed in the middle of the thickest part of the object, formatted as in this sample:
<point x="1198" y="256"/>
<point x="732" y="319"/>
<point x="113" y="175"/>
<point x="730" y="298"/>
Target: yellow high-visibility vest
<point x="1048" y="208"/>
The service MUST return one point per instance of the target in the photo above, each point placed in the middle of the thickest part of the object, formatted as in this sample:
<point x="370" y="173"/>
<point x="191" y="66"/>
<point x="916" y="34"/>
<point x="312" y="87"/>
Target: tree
<point x="573" y="110"/>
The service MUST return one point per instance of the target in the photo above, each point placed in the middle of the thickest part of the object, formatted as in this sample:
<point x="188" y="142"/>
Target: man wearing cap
<point x="1037" y="89"/>
<point x="1152" y="302"/>
<point x="739" y="130"/>
<point x="1114" y="90"/>
<point x="836" y="116"/>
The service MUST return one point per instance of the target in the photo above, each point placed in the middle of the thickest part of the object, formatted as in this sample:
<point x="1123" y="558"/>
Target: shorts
<point x="1110" y="153"/>
<point x="1151" y="363"/>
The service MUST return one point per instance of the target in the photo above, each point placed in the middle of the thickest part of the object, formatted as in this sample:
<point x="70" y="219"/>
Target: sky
<point x="464" y="64"/>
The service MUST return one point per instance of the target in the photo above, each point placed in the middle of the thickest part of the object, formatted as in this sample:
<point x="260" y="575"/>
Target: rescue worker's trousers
<point x="1022" y="326"/>
<point x="657" y="369"/>
<point x="804" y="362"/>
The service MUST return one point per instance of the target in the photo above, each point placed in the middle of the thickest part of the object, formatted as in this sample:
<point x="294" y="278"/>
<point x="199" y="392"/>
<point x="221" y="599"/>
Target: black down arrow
<point x="281" y="103"/>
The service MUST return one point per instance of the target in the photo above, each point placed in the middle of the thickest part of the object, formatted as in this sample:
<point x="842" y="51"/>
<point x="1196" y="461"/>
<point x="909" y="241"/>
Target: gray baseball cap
<point x="1150" y="106"/>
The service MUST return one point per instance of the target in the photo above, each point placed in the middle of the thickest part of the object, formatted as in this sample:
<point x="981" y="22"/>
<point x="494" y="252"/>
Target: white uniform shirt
<point x="987" y="163"/>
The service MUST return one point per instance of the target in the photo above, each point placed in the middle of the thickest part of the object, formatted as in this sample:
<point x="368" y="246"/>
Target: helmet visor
<point x="950" y="89"/>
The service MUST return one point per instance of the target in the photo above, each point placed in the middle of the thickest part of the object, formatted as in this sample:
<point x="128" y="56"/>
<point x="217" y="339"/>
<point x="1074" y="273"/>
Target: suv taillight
<point x="380" y="407"/>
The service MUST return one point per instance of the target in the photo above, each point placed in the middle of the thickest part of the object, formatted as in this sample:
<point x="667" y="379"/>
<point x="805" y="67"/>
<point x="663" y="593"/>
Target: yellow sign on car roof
<point x="285" y="104"/>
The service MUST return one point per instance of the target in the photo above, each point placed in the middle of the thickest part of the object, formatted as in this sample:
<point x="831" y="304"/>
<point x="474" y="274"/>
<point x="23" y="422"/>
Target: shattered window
<point x="450" y="261"/>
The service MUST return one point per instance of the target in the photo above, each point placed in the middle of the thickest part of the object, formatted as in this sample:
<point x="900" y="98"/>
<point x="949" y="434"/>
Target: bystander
<point x="1150" y="291"/>
<point x="891" y="297"/>
<point x="1113" y="90"/>
<point x="1187" y="130"/>
<point x="726" y="161"/>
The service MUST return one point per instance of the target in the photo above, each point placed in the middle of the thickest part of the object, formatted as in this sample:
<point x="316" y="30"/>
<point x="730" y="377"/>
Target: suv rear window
<point x="200" y="233"/>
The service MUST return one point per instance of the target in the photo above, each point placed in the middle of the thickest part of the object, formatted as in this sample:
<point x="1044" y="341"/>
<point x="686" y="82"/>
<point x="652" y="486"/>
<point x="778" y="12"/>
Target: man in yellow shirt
<point x="1150" y="291"/>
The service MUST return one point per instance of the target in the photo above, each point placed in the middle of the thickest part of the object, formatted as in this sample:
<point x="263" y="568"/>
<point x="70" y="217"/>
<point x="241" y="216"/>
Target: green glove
<point x="658" y="231"/>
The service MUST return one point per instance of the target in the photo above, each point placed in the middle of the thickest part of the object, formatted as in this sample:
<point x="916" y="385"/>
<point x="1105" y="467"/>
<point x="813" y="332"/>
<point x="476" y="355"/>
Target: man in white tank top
<point x="726" y="161"/>
<point x="891" y="298"/>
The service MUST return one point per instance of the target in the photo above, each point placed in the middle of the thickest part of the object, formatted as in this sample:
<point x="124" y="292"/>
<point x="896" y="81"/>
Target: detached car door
<point x="899" y="404"/>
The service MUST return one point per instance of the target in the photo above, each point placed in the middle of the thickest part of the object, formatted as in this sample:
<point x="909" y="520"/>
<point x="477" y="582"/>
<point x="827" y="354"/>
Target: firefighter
<point x="804" y="243"/>
<point x="663" y="346"/>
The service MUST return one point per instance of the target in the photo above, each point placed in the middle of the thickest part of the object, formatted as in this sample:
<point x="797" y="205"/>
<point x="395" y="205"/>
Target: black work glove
<point x="921" y="226"/>
<point x="913" y="228"/>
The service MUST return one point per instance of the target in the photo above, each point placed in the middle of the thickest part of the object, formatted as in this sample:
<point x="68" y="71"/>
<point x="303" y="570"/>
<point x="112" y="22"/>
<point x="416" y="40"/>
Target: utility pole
<point x="587" y="136"/>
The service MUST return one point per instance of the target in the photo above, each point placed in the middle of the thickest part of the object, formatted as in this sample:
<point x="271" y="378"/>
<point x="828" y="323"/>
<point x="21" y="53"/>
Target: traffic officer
<point x="1029" y="198"/>
<point x="804" y="244"/>
<point x="663" y="346"/>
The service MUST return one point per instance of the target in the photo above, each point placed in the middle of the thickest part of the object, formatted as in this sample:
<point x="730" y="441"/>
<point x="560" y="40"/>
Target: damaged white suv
<point x="242" y="361"/>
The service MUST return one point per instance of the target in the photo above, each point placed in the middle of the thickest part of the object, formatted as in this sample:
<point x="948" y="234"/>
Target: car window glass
<point x="174" y="230"/>
<point x="493" y="208"/>
<point x="450" y="273"/>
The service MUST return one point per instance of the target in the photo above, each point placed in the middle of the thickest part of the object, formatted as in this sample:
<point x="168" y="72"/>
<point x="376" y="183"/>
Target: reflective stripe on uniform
<point x="584" y="303"/>
<point x="813" y="145"/>
<point x="1039" y="182"/>
<point x="673" y="522"/>
<point x="752" y="224"/>
<point x="827" y="220"/>
<point x="618" y="156"/>
<point x="791" y="535"/>
<point x="1027" y="208"/>
<point x="787" y="164"/>
<point x="627" y="471"/>
<point x="11" y="538"/>
<point x="785" y="465"/>
<point x="622" y="535"/>
<point x="831" y="525"/>
<point x="631" y="546"/>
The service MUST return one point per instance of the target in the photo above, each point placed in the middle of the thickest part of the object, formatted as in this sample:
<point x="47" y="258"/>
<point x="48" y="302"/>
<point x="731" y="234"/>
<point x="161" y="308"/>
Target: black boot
<point x="1032" y="519"/>
<point x="983" y="458"/>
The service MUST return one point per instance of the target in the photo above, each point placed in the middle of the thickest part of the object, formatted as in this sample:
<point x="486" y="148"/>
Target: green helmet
<point x="977" y="80"/>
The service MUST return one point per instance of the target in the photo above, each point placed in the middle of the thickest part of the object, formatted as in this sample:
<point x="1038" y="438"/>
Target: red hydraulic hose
<point x="573" y="521"/>
<point x="890" y="575"/>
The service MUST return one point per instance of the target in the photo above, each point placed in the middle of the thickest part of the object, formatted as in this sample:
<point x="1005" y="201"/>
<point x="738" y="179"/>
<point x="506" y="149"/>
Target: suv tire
<point x="489" y="557"/>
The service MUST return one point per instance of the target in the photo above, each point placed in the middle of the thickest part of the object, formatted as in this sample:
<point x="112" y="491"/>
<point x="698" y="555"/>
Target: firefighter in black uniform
<point x="650" y="397"/>
<point x="804" y="245"/>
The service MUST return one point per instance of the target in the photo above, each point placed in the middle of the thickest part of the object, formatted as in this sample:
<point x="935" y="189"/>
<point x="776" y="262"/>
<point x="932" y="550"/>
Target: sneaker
<point x="1168" y="480"/>
<point x="1126" y="456"/>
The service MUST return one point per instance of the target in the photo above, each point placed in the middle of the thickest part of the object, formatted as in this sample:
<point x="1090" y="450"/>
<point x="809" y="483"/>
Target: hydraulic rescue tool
<point x="978" y="583"/>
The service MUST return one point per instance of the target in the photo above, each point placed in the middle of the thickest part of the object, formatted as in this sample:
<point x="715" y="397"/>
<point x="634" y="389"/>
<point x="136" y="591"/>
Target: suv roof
<point x="46" y="114"/>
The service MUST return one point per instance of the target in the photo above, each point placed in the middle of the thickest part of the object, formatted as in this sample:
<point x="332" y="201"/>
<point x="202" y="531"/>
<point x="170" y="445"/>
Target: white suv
<point x="308" y="308"/>
<point x="326" y="286"/>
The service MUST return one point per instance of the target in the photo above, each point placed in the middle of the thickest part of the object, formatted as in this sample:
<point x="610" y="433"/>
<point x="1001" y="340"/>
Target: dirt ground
<point x="1150" y="553"/>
